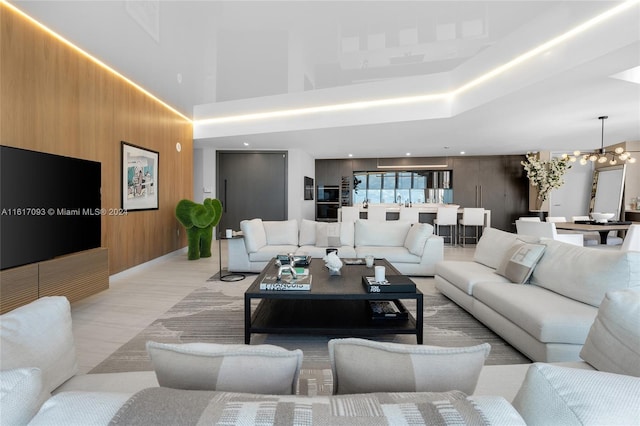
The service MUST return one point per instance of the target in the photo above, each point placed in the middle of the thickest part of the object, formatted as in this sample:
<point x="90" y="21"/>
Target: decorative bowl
<point x="602" y="217"/>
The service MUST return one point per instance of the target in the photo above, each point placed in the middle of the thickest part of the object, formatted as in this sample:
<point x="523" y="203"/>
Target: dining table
<point x="602" y="228"/>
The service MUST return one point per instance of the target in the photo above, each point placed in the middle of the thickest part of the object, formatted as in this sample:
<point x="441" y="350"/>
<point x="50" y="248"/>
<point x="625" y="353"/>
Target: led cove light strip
<point x="93" y="59"/>
<point x="425" y="98"/>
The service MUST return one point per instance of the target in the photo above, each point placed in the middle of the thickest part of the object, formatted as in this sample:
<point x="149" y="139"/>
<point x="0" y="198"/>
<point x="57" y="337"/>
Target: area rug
<point x="215" y="313"/>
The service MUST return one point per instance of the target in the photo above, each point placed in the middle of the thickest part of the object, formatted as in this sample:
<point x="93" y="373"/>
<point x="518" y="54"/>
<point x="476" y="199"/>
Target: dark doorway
<point x="252" y="185"/>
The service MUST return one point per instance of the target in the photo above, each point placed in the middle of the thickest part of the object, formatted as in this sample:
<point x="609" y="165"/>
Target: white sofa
<point x="38" y="359"/>
<point x="412" y="249"/>
<point x="548" y="317"/>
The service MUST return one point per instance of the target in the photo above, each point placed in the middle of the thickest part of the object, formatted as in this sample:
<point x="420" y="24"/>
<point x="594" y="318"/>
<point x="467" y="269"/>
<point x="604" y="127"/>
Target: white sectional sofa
<point x="548" y="317"/>
<point x="39" y="384"/>
<point x="412" y="249"/>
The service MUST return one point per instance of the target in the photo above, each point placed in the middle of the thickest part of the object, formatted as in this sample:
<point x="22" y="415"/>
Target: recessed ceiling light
<point x="245" y="143"/>
<point x="408" y="153"/>
<point x="350" y="155"/>
<point x="462" y="153"/>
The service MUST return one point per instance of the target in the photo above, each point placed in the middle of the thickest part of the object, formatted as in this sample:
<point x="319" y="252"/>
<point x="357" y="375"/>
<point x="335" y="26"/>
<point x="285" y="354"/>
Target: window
<point x="403" y="187"/>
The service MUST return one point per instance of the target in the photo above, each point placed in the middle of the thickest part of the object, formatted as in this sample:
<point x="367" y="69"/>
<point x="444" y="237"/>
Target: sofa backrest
<point x="494" y="245"/>
<point x="281" y="232"/>
<point x="585" y="274"/>
<point x="316" y="233"/>
<point x="378" y="233"/>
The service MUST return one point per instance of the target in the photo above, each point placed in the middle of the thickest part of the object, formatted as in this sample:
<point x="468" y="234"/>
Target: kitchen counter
<point x="426" y="211"/>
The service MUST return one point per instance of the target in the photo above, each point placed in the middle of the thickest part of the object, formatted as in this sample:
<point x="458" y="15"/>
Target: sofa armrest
<point x="238" y="256"/>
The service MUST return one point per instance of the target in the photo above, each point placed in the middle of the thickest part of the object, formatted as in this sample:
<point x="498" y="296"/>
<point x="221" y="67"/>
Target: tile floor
<point x="136" y="297"/>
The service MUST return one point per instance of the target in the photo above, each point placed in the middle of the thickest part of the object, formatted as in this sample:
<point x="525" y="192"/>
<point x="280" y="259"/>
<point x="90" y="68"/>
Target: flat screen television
<point x="49" y="206"/>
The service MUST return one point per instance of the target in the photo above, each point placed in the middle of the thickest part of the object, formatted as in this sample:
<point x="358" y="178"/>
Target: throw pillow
<point x="40" y="335"/>
<point x="307" y="233"/>
<point x="264" y="369"/>
<point x="519" y="261"/>
<point x="613" y="343"/>
<point x="417" y="237"/>
<point x="21" y="395"/>
<point x="553" y="395"/>
<point x="364" y="366"/>
<point x="254" y="235"/>
<point x="327" y="234"/>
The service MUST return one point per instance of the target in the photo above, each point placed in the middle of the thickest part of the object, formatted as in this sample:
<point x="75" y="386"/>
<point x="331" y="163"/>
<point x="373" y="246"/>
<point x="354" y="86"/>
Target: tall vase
<point x="539" y="202"/>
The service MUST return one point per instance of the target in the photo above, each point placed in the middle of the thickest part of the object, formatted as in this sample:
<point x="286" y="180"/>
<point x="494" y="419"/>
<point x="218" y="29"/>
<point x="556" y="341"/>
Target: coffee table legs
<point x="419" y="319"/>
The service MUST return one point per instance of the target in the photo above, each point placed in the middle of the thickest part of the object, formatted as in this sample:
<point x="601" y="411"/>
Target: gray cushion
<point x="264" y="369"/>
<point x="519" y="261"/>
<point x="363" y="366"/>
<point x="40" y="335"/>
<point x="328" y="234"/>
<point x="613" y="343"/>
<point x="552" y="395"/>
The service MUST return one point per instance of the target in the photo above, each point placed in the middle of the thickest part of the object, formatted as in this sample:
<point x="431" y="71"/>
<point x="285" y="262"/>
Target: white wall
<point x="301" y="164"/>
<point x="204" y="174"/>
<point x="632" y="176"/>
<point x="572" y="198"/>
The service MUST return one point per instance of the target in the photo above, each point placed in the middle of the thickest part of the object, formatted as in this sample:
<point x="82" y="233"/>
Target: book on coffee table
<point x="271" y="282"/>
<point x="391" y="284"/>
<point x="387" y="309"/>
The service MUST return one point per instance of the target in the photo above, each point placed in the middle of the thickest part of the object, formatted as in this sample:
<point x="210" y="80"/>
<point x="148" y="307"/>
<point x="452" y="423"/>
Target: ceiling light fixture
<point x="536" y="51"/>
<point x="602" y="155"/>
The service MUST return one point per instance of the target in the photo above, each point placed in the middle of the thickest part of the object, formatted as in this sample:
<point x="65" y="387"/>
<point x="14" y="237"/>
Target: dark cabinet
<point x="330" y="172"/>
<point x="494" y="183"/>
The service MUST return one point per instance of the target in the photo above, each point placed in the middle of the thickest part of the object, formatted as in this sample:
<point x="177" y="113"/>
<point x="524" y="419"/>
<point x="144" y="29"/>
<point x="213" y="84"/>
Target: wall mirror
<point x="608" y="190"/>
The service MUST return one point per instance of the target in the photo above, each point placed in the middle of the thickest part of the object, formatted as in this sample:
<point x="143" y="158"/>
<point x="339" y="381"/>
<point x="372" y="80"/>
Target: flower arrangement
<point x="545" y="175"/>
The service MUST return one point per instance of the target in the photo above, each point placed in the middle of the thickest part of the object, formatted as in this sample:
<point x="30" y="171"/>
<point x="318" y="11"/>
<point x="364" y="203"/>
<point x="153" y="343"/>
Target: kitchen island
<point x="426" y="212"/>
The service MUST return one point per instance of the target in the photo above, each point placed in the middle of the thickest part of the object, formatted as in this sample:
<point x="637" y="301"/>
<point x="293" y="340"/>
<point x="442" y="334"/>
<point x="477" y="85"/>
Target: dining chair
<point x="592" y="239"/>
<point x="376" y="212"/>
<point x="530" y="218"/>
<point x="447" y="216"/>
<point x="632" y="239"/>
<point x="547" y="230"/>
<point x="471" y="216"/>
<point x="349" y="214"/>
<point x="409" y="214"/>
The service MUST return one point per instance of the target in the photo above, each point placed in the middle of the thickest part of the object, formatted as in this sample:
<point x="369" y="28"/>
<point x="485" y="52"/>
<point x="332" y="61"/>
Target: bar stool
<point x="447" y="216"/>
<point x="409" y="214"/>
<point x="470" y="217"/>
<point x="349" y="214"/>
<point x="376" y="212"/>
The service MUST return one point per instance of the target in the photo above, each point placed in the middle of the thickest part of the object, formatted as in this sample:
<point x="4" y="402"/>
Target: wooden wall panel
<point x="55" y="100"/>
<point x="18" y="286"/>
<point x="75" y="276"/>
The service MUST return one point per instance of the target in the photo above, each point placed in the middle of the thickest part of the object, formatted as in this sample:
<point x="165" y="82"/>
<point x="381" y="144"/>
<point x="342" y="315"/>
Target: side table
<point x="230" y="276"/>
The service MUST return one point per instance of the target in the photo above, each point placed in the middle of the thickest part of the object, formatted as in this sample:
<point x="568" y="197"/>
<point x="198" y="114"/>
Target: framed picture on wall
<point x="139" y="178"/>
<point x="308" y="188"/>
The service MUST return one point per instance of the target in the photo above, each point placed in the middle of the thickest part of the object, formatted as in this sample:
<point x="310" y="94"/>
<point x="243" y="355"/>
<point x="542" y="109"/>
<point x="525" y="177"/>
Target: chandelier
<point x="602" y="155"/>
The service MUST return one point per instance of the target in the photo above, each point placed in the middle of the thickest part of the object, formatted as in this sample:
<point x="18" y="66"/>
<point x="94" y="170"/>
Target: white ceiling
<point x="212" y="59"/>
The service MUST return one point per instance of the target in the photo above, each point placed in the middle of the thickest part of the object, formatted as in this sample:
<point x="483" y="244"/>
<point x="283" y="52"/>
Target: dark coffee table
<point x="335" y="306"/>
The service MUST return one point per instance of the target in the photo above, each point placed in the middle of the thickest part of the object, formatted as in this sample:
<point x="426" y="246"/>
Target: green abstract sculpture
<point x="199" y="219"/>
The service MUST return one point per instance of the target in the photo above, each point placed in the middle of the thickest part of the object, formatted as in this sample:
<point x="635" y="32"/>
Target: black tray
<point x="610" y="222"/>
